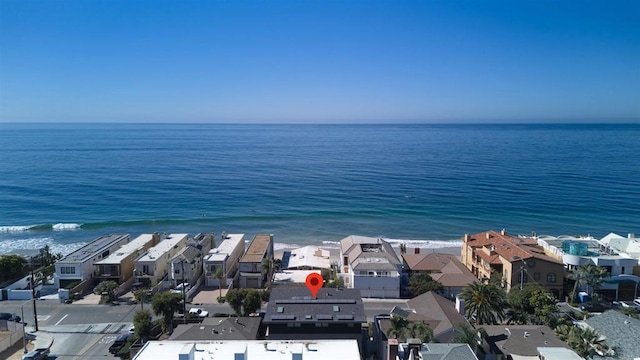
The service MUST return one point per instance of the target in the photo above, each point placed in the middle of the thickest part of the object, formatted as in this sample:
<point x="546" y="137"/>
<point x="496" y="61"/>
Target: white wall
<point x="378" y="286"/>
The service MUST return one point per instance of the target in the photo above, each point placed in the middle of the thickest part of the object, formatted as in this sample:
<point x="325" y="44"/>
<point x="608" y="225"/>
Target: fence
<point x="15" y="330"/>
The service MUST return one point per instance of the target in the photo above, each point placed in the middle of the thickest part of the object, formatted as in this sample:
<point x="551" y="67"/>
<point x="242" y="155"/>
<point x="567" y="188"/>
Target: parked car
<point x="199" y="312"/>
<point x="594" y="306"/>
<point x="179" y="287"/>
<point x="636" y="302"/>
<point x="10" y="317"/>
<point x="37" y="354"/>
<point x="118" y="343"/>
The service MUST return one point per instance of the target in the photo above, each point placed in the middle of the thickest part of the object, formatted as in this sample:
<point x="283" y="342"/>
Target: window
<point x="336" y="308"/>
<point x="551" y="277"/>
<point x="622" y="270"/>
<point x="525" y="277"/>
<point x="67" y="270"/>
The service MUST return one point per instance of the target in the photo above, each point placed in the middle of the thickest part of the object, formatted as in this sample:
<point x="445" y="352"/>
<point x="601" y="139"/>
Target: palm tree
<point x="486" y="302"/>
<point x="219" y="275"/>
<point x="421" y="331"/>
<point x="466" y="335"/>
<point x="579" y="275"/>
<point x="398" y="327"/>
<point x="597" y="274"/>
<point x="589" y="275"/>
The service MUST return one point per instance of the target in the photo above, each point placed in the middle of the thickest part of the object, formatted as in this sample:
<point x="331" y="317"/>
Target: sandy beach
<point x="335" y="252"/>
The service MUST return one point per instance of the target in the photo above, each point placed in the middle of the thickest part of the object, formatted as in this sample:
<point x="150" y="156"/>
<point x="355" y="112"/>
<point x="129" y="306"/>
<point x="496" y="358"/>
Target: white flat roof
<point x="250" y="350"/>
<point x="225" y="248"/>
<point x="311" y="256"/>
<point x="293" y="276"/>
<point x="162" y="247"/>
<point x="127" y="249"/>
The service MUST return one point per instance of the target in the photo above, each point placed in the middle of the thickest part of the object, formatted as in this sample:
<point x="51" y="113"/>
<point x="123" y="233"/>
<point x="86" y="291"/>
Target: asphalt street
<point x="87" y="331"/>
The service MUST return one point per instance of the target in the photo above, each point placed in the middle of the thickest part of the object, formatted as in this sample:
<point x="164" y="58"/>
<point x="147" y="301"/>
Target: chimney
<point x="460" y="305"/>
<point x="466" y="238"/>
<point x="488" y="235"/>
<point x="416" y="250"/>
<point x="503" y="232"/>
<point x="392" y="349"/>
<point x="631" y="235"/>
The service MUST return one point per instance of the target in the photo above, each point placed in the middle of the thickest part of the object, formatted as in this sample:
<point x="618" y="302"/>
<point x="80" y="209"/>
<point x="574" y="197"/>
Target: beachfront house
<point x="78" y="266"/>
<point x="119" y="265"/>
<point x="512" y="260"/>
<point x="575" y="251"/>
<point x="444" y="268"/>
<point x="225" y="256"/>
<point x="186" y="265"/>
<point x="370" y="265"/>
<point x="151" y="266"/>
<point x="259" y="255"/>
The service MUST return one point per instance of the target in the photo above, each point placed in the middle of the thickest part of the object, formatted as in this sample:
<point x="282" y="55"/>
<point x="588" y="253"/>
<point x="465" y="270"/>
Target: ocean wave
<point x="15" y="228"/>
<point x="283" y="246"/>
<point x="61" y="226"/>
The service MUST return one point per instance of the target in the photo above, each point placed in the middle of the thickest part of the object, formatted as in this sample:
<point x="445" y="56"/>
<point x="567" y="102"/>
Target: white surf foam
<point x="61" y="226"/>
<point x="34" y="243"/>
<point x="423" y="244"/>
<point x="15" y="228"/>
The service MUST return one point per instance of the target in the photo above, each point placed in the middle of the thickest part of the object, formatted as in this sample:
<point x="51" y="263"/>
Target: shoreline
<point x="334" y="252"/>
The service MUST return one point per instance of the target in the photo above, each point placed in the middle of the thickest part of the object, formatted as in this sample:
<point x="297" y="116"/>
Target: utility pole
<point x="521" y="273"/>
<point x="33" y="297"/>
<point x="184" y="297"/>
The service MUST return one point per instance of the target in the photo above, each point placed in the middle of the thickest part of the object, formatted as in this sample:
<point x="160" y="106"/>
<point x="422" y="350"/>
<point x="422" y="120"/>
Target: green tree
<point x="267" y="270"/>
<point x="166" y="304"/>
<point x="337" y="283"/>
<point x="398" y="327"/>
<point x="277" y="265"/>
<point x="251" y="302"/>
<point x="142" y="324"/>
<point x="544" y="306"/>
<point x="107" y="290"/>
<point x="420" y="283"/>
<point x="466" y="335"/>
<point x="486" y="302"/>
<point x="590" y="275"/>
<point x="586" y="342"/>
<point x="234" y="297"/>
<point x="12" y="267"/>
<point x="422" y="331"/>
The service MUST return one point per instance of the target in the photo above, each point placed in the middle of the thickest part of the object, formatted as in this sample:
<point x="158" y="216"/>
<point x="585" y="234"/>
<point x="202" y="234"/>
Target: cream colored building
<point x="152" y="265"/>
<point x="119" y="265"/>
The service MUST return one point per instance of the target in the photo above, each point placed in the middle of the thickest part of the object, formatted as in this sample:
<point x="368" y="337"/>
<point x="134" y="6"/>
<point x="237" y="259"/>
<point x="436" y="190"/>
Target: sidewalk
<point x="35" y="341"/>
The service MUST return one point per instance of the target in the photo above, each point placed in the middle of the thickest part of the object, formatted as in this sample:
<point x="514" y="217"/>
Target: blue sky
<point x="319" y="61"/>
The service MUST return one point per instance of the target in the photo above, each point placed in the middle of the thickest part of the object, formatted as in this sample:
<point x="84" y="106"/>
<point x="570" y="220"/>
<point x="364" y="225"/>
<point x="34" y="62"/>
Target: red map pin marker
<point x="314" y="283"/>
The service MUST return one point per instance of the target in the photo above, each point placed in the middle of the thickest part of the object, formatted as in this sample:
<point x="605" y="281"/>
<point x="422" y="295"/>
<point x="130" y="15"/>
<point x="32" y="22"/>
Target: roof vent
<point x="526" y="334"/>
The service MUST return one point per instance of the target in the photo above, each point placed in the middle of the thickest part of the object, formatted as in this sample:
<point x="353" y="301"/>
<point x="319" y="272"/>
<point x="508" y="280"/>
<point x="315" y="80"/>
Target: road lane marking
<point x="43" y="317"/>
<point x="58" y="323"/>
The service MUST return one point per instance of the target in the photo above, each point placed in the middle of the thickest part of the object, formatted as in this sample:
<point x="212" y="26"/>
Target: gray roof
<point x="219" y="328"/>
<point x="189" y="252"/>
<point x="367" y="253"/>
<point x="94" y="248"/>
<point x="294" y="304"/>
<point x="435" y="310"/>
<point x="622" y="333"/>
<point x="447" y="352"/>
<point x="522" y="340"/>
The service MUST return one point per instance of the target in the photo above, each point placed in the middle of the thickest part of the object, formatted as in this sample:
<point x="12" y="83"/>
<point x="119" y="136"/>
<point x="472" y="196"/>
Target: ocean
<point x="427" y="185"/>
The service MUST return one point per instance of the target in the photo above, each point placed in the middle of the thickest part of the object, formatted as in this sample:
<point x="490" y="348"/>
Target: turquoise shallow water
<point x="65" y="184"/>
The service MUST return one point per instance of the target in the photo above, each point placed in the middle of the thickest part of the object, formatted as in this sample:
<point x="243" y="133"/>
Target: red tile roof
<point x="509" y="247"/>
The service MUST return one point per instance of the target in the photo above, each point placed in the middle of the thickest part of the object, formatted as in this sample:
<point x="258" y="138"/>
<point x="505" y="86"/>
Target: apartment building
<point x="370" y="265"/>
<point x="514" y="260"/>
<point x="152" y="265"/>
<point x="252" y="274"/>
<point x="225" y="256"/>
<point x="119" y="265"/>
<point x="78" y="266"/>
